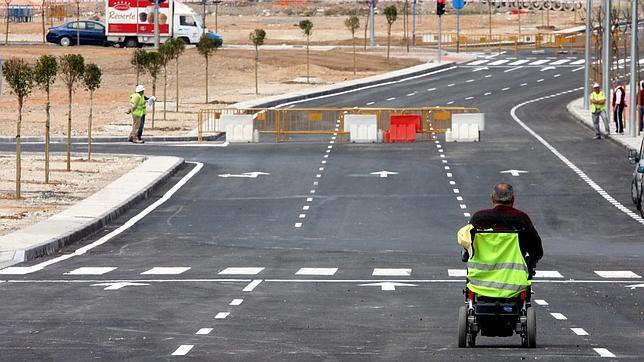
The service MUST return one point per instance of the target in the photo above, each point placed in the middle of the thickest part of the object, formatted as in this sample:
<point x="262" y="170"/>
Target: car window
<point x="94" y="26"/>
<point x="77" y="25"/>
<point x="187" y="20"/>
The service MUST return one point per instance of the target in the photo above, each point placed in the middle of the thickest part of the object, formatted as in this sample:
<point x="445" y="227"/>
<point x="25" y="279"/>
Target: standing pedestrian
<point x="619" y="103"/>
<point x="598" y="110"/>
<point x="641" y="127"/>
<point x="138" y="102"/>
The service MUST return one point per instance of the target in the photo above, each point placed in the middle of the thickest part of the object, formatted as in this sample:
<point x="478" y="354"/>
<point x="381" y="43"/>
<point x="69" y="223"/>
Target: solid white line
<point x="236" y="302"/>
<point x="203" y="331"/>
<point x="541" y="302"/>
<point x="603" y="352"/>
<point x="128" y="224"/>
<point x="91" y="271"/>
<point x="222" y="315"/>
<point x="250" y="287"/>
<point x="183" y="350"/>
<point x="579" y="331"/>
<point x="166" y="270"/>
<point x="241" y="271"/>
<point x="317" y="271"/>
<point x="571" y="165"/>
<point x="390" y="272"/>
<point x="558" y="316"/>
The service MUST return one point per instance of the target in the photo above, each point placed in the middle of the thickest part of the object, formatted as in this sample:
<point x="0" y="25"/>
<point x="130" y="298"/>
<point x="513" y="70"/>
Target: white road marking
<point x="91" y="271"/>
<point x="571" y="165"/>
<point x="479" y="69"/>
<point x="318" y="176"/>
<point x="449" y="174"/>
<point x="457" y="272"/>
<point x="236" y="302"/>
<point x="459" y="198"/>
<point x="317" y="271"/>
<point x="487" y="93"/>
<point x="166" y="270"/>
<point x="478" y="62"/>
<point x="323" y="162"/>
<point x="463" y="206"/>
<point x="539" y="62"/>
<point x="466" y="214"/>
<point x="504" y="89"/>
<point x="222" y="315"/>
<point x="547" y="274"/>
<point x="390" y="272"/>
<point x="468" y="98"/>
<point x="446" y="167"/>
<point x="298" y="225"/>
<point x="309" y="199"/>
<point x="411" y="94"/>
<point x="488" y="76"/>
<point x="541" y="302"/>
<point x="560" y="61"/>
<point x="450" y="102"/>
<point x="456" y="191"/>
<point x="333" y="137"/>
<point x="522" y="61"/>
<point x="556" y="76"/>
<point x="580" y="61"/>
<point x="331" y="142"/>
<point x="539" y="80"/>
<point x="558" y="316"/>
<point x="523" y="84"/>
<point x="312" y="191"/>
<point x="603" y="352"/>
<point x="305" y="207"/>
<point x="204" y="331"/>
<point x="469" y="81"/>
<point x="511" y="69"/>
<point x="452" y="182"/>
<point x="499" y="62"/>
<point x="321" y="169"/>
<point x="241" y="271"/>
<point x="128" y="224"/>
<point x="451" y="84"/>
<point x="302" y="216"/>
<point x="329" y="147"/>
<point x="617" y="274"/>
<point x="391" y="98"/>
<point x="250" y="287"/>
<point x="370" y="103"/>
<point x="183" y="350"/>
<point x="579" y="331"/>
<point x="388" y="285"/>
<point x="431" y="89"/>
<point x="577" y="69"/>
<point x="118" y="285"/>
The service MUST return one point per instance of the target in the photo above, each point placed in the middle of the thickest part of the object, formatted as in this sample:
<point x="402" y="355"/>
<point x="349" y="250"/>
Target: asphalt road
<point x="300" y="263"/>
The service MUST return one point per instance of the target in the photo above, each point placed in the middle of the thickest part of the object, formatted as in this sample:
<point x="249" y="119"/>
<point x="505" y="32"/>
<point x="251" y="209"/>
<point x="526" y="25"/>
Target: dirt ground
<point x="40" y="200"/>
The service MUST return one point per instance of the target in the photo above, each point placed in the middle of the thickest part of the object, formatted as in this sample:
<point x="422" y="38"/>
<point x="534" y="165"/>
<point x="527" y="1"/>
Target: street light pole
<point x="606" y="61"/>
<point x="372" y="28"/>
<point x="203" y="16"/>
<point x="589" y="34"/>
<point x="632" y="116"/>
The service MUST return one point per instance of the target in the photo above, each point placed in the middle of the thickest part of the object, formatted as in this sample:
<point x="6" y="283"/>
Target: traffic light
<point x="440" y="7"/>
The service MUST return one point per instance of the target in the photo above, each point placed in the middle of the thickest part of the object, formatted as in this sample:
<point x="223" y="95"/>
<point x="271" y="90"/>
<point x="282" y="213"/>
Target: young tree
<point x="153" y="66"/>
<point x="45" y="76"/>
<point x="257" y="37"/>
<point x="307" y="28"/>
<point x="72" y="67"/>
<point x="92" y="80"/>
<point x="390" y="13"/>
<point x="206" y="47"/>
<point x="19" y="76"/>
<point x="353" y="23"/>
<point x="177" y="47"/>
<point x="139" y="57"/>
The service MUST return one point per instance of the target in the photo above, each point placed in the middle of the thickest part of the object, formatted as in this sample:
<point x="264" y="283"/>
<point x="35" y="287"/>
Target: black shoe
<point x="141" y="141"/>
<point x="598" y="137"/>
<point x="130" y="140"/>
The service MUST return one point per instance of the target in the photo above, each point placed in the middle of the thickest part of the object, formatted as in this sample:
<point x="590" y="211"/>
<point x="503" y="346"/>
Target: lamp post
<point x="216" y="2"/>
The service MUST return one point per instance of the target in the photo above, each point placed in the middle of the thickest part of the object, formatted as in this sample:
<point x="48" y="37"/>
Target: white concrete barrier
<point x="238" y="128"/>
<point x="465" y="127"/>
<point x="361" y="128"/>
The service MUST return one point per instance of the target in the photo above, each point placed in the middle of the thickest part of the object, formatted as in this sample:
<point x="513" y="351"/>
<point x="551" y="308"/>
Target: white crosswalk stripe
<point x="478" y="62"/>
<point x="91" y="271"/>
<point x="617" y="274"/>
<point x="389" y="272"/>
<point x="560" y="61"/>
<point x="577" y="62"/>
<point x="499" y="62"/>
<point x="519" y="62"/>
<point x="166" y="271"/>
<point x="540" y="62"/>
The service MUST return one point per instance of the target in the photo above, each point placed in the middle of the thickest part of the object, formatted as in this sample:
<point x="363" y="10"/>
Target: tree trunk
<point x="388" y="40"/>
<point x="307" y="59"/>
<point x="47" y="128"/>
<point x="177" y="107"/>
<point x="256" y="65"/>
<point x="18" y="150"/>
<point x="42" y="13"/>
<point x="206" y="79"/>
<point x="353" y="39"/>
<point x="165" y="90"/>
<point x="69" y="130"/>
<point x="89" y="126"/>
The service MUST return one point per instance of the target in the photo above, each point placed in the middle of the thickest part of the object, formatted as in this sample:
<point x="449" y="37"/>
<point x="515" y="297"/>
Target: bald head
<point x="503" y="194"/>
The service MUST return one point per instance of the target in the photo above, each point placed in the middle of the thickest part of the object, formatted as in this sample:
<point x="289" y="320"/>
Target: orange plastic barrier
<point x="403" y="128"/>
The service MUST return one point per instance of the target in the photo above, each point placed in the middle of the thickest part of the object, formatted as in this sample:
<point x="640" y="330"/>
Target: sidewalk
<point x="576" y="108"/>
<point x="89" y="215"/>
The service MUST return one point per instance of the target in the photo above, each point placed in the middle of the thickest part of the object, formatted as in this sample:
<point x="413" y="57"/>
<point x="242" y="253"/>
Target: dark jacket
<point x="504" y="217"/>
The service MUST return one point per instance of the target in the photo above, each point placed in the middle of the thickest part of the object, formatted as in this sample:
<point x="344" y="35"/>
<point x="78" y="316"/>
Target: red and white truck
<point x="130" y="23"/>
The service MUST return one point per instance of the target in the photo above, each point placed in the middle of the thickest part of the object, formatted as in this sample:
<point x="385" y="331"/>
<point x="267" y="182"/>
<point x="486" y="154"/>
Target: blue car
<point x="91" y="33"/>
<point x="216" y="38"/>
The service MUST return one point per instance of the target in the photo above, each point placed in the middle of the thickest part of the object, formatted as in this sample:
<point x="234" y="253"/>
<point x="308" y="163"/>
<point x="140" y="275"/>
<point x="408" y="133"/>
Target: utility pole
<point x="606" y="61"/>
<point x="216" y="2"/>
<point x="413" y="30"/>
<point x="372" y="28"/>
<point x="156" y="24"/>
<point x="589" y="35"/>
<point x="632" y="114"/>
<point x="203" y="17"/>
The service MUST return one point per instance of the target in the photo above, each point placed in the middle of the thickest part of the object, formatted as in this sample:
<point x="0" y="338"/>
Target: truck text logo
<point x="122" y="5"/>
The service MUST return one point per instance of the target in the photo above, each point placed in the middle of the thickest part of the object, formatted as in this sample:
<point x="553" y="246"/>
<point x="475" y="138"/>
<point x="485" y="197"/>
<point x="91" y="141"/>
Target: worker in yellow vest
<point x="598" y="109"/>
<point x="138" y="103"/>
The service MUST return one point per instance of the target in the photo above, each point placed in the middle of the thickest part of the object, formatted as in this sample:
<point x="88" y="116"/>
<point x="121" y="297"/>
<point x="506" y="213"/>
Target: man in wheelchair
<point x="501" y="248"/>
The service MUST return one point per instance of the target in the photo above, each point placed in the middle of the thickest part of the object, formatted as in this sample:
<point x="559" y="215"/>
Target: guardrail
<point x="304" y="124"/>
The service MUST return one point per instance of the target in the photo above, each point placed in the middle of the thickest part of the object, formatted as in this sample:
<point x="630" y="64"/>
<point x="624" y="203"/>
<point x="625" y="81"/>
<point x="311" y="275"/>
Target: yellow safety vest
<point x="595" y="97"/>
<point x="137" y="101"/>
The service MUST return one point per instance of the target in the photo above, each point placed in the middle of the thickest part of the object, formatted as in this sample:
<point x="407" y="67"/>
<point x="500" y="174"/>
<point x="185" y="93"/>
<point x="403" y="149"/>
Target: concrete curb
<point x="89" y="215"/>
<point x="583" y="116"/>
<point x="109" y="139"/>
<point x="343" y="86"/>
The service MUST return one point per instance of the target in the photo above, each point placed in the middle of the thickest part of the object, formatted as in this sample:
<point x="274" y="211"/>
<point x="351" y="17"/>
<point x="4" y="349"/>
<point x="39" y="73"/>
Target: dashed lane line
<point x="236" y="302"/>
<point x="252" y="285"/>
<point x="204" y="331"/>
<point x="603" y="352"/>
<point x="391" y="98"/>
<point x="183" y="350"/>
<point x="559" y="316"/>
<point x="222" y="315"/>
<point x="579" y="331"/>
<point x="511" y="69"/>
<point x="540" y="302"/>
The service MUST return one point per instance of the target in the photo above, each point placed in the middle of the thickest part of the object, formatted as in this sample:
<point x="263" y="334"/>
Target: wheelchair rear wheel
<point x="462" y="327"/>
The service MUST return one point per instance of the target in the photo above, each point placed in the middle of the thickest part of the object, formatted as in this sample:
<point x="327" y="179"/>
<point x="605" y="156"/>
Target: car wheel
<point x="634" y="195"/>
<point x="65" y="41"/>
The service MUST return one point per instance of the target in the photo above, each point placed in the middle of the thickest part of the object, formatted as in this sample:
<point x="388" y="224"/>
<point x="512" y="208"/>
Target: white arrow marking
<point x="514" y="172"/>
<point x="384" y="173"/>
<point x="244" y="175"/>
<point x="635" y="286"/>
<point x="479" y="69"/>
<point x="388" y="285"/>
<point x="117" y="286"/>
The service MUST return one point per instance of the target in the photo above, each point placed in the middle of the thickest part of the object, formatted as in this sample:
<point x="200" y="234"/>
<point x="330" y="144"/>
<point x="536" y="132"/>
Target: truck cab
<point x="187" y="25"/>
